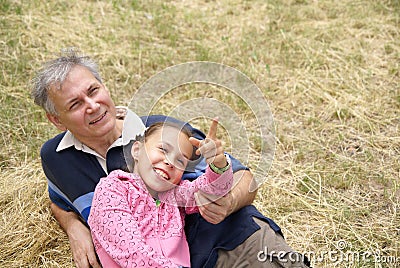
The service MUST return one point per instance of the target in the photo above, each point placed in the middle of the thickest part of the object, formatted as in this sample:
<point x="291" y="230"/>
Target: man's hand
<point x="120" y="112"/>
<point x="215" y="208"/>
<point x="79" y="237"/>
<point x="215" y="211"/>
<point x="82" y="247"/>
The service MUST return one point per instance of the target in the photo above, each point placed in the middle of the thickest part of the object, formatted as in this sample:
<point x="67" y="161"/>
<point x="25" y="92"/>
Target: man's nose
<point x="92" y="105"/>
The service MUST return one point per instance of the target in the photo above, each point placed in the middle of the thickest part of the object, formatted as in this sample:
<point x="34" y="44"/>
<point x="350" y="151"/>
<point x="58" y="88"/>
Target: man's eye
<point x="93" y="90"/>
<point x="74" y="105"/>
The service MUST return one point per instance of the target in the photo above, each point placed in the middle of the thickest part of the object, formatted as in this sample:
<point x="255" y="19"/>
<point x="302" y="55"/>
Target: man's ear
<point x="135" y="150"/>
<point x="54" y="119"/>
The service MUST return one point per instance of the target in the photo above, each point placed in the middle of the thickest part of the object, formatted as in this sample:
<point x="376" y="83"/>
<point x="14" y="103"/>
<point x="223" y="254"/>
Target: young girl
<point x="137" y="219"/>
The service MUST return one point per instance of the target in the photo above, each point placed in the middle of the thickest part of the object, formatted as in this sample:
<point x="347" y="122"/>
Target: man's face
<point x="84" y="105"/>
<point x="162" y="159"/>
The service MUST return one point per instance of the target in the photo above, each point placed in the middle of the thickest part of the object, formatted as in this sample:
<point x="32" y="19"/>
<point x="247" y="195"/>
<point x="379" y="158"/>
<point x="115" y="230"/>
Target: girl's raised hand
<point x="211" y="147"/>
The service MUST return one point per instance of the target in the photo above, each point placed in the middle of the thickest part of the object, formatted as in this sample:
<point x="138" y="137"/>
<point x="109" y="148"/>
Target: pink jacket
<point x="130" y="230"/>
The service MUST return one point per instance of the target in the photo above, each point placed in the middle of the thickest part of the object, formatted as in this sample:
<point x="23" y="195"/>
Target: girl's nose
<point x="168" y="163"/>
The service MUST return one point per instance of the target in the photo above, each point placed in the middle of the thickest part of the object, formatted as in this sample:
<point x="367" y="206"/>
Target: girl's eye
<point x="182" y="162"/>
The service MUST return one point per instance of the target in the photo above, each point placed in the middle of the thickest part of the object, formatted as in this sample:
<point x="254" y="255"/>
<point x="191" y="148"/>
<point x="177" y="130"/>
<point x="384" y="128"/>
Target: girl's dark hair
<point x="159" y="125"/>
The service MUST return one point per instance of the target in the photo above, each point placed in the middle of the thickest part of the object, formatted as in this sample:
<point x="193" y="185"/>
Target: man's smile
<point x="98" y="119"/>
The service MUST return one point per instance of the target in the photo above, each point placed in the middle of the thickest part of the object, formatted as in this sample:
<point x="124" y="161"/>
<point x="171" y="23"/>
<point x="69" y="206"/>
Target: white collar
<point x="133" y="126"/>
<point x="69" y="140"/>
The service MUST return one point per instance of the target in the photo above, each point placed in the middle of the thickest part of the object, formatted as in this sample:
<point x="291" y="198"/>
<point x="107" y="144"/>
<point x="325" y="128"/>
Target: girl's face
<point x="161" y="160"/>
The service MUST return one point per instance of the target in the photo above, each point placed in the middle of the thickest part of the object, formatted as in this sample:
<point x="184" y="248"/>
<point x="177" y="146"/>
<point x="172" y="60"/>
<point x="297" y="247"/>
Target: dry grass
<point x="330" y="73"/>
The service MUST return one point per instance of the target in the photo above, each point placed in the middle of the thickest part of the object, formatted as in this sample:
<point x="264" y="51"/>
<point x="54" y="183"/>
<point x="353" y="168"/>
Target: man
<point x="229" y="231"/>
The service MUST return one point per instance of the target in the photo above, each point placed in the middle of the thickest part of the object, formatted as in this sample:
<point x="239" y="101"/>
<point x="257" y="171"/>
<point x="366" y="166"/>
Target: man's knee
<point x="264" y="248"/>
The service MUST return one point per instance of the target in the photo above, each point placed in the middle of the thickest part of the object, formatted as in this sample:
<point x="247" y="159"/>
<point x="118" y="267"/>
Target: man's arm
<point x="238" y="197"/>
<point x="241" y="194"/>
<point x="79" y="237"/>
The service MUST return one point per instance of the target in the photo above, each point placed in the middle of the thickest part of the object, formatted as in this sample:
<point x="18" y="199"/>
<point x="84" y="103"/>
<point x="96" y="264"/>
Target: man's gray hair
<point x="54" y="73"/>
